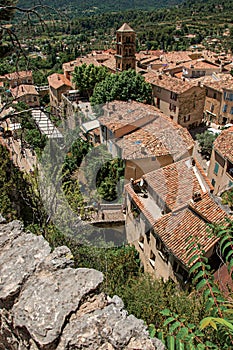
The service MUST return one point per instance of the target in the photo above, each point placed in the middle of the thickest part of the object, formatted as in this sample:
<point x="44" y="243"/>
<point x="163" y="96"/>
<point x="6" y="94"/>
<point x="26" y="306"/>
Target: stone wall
<point x="46" y="304"/>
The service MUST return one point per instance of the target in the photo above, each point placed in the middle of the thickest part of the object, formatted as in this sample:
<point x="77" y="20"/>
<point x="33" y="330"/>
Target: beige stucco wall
<point x="137" y="228"/>
<point x="222" y="178"/>
<point x="193" y="72"/>
<point x="165" y="100"/>
<point x="137" y="167"/>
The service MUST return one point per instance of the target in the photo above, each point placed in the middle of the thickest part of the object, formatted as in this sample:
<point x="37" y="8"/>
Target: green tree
<point x="205" y="141"/>
<point x="122" y="86"/>
<point x="86" y="77"/>
<point x="227" y="198"/>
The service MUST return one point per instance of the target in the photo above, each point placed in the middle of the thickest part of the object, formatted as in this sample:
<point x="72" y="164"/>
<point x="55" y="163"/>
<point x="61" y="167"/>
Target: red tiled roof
<point x="69" y="66"/>
<point x="199" y="64"/>
<point x="58" y="80"/>
<point x="121" y="113"/>
<point x="167" y="82"/>
<point x="160" y="137"/>
<point x="175" y="186"/>
<point x="224" y="82"/>
<point x="178" y="229"/>
<point x="176" y="183"/>
<point x="224" y="144"/>
<point x="208" y="209"/>
<point x="23" y="90"/>
<point x="110" y="63"/>
<point x="18" y="75"/>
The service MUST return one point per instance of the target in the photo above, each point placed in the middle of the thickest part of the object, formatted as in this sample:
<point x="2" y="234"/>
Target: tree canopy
<point x="86" y="77"/>
<point x="205" y="141"/>
<point x="122" y="86"/>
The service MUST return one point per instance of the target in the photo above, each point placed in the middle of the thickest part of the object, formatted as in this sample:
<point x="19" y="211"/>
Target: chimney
<point x="196" y="196"/>
<point x="143" y="150"/>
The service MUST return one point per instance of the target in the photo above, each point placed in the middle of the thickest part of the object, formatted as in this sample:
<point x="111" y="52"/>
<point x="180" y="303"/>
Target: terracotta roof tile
<point x="224" y="144"/>
<point x="69" y="66"/>
<point x="110" y="63"/>
<point x="175" y="185"/>
<point x="23" y="90"/>
<point x="19" y="75"/>
<point x="58" y="80"/>
<point x="167" y="82"/>
<point x="224" y="82"/>
<point x="121" y="113"/>
<point x="178" y="229"/>
<point x="159" y="137"/>
<point x="199" y="64"/>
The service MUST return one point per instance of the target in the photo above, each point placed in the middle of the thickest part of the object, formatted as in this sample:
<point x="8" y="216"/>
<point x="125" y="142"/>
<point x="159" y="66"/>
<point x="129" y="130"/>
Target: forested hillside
<point x="96" y="6"/>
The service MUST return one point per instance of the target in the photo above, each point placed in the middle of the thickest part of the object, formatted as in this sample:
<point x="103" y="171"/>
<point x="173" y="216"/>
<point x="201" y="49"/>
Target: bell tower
<point x="125" y="48"/>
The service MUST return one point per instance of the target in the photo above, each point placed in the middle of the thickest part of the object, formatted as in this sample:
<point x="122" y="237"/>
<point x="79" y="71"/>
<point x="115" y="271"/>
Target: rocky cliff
<point x="47" y="304"/>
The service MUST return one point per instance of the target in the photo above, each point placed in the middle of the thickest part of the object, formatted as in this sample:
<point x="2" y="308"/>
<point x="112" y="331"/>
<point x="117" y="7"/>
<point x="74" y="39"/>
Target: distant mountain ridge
<point x="97" y="6"/>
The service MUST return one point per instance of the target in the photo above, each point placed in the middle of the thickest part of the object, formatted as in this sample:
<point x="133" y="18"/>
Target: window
<point x="187" y="118"/>
<point x="173" y="96"/>
<point x="158" y="243"/>
<point x="141" y="242"/>
<point x="148" y="236"/>
<point x="172" y="107"/>
<point x="213" y="182"/>
<point x="231" y="111"/>
<point x="216" y="167"/>
<point x="214" y="95"/>
<point x="224" y="109"/>
<point x="152" y="259"/>
<point x="219" y="159"/>
<point x="158" y="89"/>
<point x="211" y="107"/>
<point x="228" y="96"/>
<point x="230" y="184"/>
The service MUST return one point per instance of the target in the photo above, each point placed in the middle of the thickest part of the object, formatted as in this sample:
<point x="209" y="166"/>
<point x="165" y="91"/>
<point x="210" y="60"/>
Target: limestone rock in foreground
<point x="102" y="323"/>
<point x="19" y="255"/>
<point x="45" y="304"/>
<point x="49" y="297"/>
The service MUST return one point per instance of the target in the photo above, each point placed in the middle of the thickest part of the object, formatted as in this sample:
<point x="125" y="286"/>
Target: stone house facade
<point x="220" y="171"/>
<point x="27" y="94"/>
<point x="181" y="100"/>
<point x="219" y="100"/>
<point x="58" y="85"/>
<point x="166" y="210"/>
<point x="18" y="78"/>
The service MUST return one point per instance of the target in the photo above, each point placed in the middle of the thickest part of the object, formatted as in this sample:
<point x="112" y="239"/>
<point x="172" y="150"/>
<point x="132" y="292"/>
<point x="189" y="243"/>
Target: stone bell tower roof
<point x="125" y="28"/>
